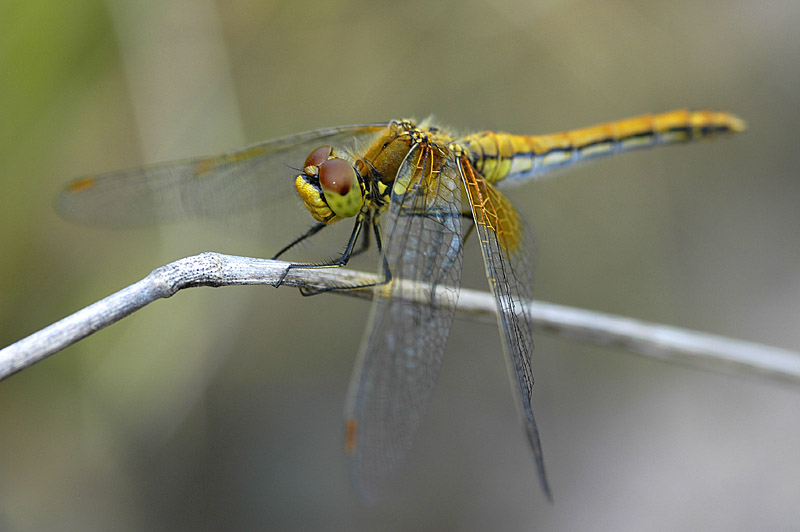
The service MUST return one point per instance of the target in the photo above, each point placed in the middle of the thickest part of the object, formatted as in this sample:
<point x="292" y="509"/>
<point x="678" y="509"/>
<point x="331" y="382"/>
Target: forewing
<point x="404" y="343"/>
<point x="506" y="246"/>
<point x="202" y="187"/>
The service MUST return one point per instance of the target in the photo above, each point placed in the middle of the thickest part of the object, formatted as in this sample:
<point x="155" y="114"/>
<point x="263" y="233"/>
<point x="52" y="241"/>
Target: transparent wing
<point x="506" y="245"/>
<point x="404" y="343"/>
<point x="201" y="187"/>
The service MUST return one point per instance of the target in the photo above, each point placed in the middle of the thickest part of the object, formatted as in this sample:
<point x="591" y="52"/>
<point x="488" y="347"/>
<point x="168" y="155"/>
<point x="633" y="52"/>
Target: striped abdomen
<point x="501" y="156"/>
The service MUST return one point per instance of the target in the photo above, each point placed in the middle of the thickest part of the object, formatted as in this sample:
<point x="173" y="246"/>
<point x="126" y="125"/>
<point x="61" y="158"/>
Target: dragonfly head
<point x="330" y="186"/>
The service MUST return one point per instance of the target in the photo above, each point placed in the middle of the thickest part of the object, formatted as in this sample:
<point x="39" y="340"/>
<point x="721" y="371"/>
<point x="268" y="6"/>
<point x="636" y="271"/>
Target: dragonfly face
<point x="412" y="187"/>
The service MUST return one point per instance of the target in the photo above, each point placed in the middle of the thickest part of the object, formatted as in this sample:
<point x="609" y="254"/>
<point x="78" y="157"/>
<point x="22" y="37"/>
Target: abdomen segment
<point x="501" y="156"/>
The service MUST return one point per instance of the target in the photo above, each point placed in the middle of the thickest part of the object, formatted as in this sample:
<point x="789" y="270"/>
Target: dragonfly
<point x="420" y="192"/>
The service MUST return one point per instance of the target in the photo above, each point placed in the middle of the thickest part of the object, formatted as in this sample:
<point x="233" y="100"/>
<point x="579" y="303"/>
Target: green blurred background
<point x="221" y="409"/>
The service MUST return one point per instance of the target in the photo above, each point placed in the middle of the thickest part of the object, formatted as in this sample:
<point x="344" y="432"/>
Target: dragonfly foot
<point x="279" y="282"/>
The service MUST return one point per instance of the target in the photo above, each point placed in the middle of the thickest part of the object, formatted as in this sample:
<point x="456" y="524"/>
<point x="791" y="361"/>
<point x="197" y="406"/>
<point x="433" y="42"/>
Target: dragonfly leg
<point x="387" y="272"/>
<point x="341" y="261"/>
<point x="364" y="244"/>
<point x="308" y="234"/>
<point x="471" y="225"/>
<point x="313" y="231"/>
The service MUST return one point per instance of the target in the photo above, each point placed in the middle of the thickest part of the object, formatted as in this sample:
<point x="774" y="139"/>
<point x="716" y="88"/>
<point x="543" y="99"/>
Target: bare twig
<point x="215" y="269"/>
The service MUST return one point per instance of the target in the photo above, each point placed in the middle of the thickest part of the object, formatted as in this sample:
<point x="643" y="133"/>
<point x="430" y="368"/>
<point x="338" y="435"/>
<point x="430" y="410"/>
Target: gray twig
<point x="214" y="269"/>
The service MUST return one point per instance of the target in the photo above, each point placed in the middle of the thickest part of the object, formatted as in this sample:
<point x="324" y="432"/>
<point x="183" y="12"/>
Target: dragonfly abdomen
<point x="501" y="156"/>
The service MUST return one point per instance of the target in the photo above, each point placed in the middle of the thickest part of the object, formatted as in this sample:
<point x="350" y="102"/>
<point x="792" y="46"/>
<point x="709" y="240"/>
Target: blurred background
<point x="222" y="409"/>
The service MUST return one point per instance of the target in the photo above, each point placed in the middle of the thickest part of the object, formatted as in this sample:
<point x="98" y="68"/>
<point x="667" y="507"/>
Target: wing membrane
<point x="201" y="187"/>
<point x="505" y="244"/>
<point x="403" y="347"/>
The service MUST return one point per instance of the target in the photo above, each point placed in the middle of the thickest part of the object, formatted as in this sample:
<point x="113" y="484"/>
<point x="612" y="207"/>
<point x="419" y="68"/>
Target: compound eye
<point x="337" y="176"/>
<point x="339" y="183"/>
<point x="318" y="156"/>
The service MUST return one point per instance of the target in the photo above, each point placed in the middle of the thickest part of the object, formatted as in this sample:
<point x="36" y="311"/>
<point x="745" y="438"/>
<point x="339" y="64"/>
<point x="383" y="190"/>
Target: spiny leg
<point x="471" y="229"/>
<point x="341" y="261"/>
<point x="308" y="234"/>
<point x="365" y="241"/>
<point x="387" y="272"/>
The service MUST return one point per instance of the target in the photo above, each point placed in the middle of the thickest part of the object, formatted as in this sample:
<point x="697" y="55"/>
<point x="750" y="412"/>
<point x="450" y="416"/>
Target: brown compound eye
<point x="336" y="176"/>
<point x="318" y="156"/>
<point x="341" y="187"/>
